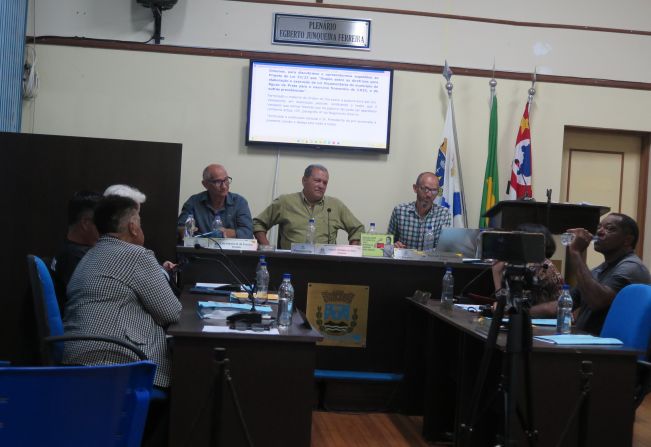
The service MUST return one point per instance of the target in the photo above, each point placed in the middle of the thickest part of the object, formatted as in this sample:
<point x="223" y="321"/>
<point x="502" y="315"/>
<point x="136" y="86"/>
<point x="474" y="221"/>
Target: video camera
<point x="518" y="250"/>
<point x="513" y="247"/>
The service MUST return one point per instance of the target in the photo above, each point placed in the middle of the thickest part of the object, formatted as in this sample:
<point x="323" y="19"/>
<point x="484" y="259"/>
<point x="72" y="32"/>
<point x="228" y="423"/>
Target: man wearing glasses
<point x="232" y="208"/>
<point x="409" y="221"/>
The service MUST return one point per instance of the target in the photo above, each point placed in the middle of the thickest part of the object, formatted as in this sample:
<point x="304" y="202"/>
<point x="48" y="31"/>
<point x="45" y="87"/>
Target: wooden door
<point x="606" y="168"/>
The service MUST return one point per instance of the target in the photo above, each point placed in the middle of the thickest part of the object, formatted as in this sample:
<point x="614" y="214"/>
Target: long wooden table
<point x="444" y="351"/>
<point x="388" y="279"/>
<point x="273" y="376"/>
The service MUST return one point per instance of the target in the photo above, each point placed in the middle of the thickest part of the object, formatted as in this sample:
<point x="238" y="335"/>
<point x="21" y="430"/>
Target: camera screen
<point x="513" y="247"/>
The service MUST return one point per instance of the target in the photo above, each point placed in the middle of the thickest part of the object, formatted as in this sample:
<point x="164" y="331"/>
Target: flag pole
<point x="532" y="92"/>
<point x="447" y="74"/>
<point x="493" y="84"/>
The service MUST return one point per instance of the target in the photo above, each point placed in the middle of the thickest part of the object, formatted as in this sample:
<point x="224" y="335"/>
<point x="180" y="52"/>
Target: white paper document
<point x="225" y="329"/>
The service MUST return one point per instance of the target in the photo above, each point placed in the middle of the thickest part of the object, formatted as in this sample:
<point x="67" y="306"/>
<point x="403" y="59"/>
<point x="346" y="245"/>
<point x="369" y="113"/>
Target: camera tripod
<point x="213" y="403"/>
<point x="515" y="379"/>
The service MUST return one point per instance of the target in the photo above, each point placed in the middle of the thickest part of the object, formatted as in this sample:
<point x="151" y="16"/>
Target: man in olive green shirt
<point x="293" y="211"/>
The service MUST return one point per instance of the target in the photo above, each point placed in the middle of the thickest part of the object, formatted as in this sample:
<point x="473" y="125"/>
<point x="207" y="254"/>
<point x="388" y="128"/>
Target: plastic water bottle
<point x="263" y="258"/>
<point x="428" y="240"/>
<point x="285" y="301"/>
<point x="371" y="228"/>
<point x="217" y="225"/>
<point x="564" y="313"/>
<point x="189" y="226"/>
<point x="311" y="232"/>
<point x="262" y="283"/>
<point x="447" y="289"/>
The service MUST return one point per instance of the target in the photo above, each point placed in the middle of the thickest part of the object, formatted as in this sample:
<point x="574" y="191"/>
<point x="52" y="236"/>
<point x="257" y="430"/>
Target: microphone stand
<point x="251" y="316"/>
<point x="472" y="281"/>
<point x="329" y="210"/>
<point x="548" y="193"/>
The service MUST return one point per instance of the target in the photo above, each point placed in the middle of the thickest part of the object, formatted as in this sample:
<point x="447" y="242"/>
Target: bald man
<point x="217" y="199"/>
<point x="409" y="221"/>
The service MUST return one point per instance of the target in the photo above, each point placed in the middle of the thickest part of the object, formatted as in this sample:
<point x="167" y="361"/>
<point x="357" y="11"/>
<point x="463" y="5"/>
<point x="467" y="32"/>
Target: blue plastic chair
<point x="629" y="319"/>
<point x="50" y="324"/>
<point x="75" y="405"/>
<point x="48" y="317"/>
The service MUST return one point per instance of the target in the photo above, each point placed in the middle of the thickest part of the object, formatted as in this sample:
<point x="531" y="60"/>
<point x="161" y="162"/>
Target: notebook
<point x="578" y="339"/>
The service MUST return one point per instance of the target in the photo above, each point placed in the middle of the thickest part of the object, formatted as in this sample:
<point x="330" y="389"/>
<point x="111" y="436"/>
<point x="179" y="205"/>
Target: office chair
<point x="629" y="319"/>
<point x="48" y="317"/>
<point x="75" y="405"/>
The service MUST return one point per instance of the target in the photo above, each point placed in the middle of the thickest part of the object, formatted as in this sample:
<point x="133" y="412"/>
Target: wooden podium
<point x="557" y="217"/>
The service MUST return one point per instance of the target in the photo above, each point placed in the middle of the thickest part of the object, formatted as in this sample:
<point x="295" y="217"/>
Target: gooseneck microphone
<point x="252" y="316"/>
<point x="472" y="281"/>
<point x="329" y="210"/>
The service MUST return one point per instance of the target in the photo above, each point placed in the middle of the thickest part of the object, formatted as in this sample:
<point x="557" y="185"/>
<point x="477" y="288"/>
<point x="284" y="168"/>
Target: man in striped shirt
<point x="409" y="221"/>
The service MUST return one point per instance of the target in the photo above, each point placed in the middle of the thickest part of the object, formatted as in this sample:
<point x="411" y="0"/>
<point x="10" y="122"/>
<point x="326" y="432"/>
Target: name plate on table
<point x="328" y="249"/>
<point x="354" y="251"/>
<point x="226" y="243"/>
<point x="303" y="248"/>
<point x="376" y="245"/>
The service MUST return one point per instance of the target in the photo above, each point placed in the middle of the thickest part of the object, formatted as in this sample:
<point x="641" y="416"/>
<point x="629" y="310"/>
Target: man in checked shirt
<point x="409" y="221"/>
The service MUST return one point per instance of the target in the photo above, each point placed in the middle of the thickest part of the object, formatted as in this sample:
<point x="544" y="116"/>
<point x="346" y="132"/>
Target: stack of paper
<point x="469" y="307"/>
<point x="578" y="339"/>
<point x="243" y="297"/>
<point x="219" y="311"/>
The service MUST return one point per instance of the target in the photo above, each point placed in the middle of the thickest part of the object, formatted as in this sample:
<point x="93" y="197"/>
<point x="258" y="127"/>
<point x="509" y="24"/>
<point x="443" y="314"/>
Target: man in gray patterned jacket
<point x="118" y="289"/>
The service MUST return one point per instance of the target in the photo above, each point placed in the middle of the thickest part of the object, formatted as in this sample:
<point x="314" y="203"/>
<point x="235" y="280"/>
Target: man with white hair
<point x="126" y="191"/>
<point x="139" y="197"/>
<point x="119" y="290"/>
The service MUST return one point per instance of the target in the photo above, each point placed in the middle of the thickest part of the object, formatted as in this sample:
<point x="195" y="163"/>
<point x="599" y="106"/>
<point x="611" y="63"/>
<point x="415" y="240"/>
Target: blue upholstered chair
<point x="50" y="325"/>
<point x="629" y="319"/>
<point x="75" y="405"/>
<point x="48" y="317"/>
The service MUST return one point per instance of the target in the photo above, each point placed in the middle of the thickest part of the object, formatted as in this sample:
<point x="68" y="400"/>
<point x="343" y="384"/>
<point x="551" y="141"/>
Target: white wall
<point x="395" y="37"/>
<point x="200" y="101"/>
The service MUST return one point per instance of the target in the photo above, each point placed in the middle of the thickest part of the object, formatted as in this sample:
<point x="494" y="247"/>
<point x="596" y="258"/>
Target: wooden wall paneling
<point x="38" y="175"/>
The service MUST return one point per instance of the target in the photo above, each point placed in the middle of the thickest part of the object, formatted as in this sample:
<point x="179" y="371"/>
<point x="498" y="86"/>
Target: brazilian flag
<point x="490" y="193"/>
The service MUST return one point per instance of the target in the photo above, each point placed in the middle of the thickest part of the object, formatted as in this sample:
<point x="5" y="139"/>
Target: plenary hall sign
<point x="321" y="31"/>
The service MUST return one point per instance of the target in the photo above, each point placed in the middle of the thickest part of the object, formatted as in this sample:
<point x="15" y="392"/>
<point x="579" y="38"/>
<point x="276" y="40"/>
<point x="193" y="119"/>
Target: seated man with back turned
<point x="617" y="235"/>
<point x="119" y="290"/>
<point x="409" y="221"/>
<point x="82" y="235"/>
<point x="293" y="211"/>
<point x="217" y="199"/>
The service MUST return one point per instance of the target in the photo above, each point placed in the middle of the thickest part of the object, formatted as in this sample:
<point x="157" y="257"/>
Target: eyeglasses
<point x="219" y="182"/>
<point x="425" y="189"/>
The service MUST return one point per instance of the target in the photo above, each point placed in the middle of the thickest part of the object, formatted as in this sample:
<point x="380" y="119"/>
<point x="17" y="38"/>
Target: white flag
<point x="447" y="170"/>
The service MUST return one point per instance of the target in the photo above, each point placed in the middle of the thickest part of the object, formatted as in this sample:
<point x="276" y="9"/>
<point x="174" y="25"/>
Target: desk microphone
<point x="252" y="316"/>
<point x="329" y="210"/>
<point x="472" y="281"/>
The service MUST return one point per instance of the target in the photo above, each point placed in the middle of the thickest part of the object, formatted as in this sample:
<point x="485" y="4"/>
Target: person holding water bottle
<point x="616" y="237"/>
